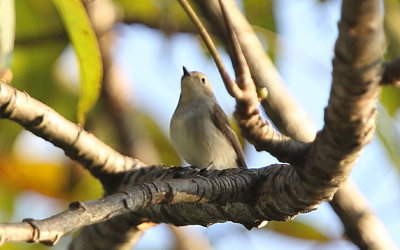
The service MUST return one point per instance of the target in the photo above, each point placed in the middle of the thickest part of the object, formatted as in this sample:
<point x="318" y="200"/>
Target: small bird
<point x="199" y="128"/>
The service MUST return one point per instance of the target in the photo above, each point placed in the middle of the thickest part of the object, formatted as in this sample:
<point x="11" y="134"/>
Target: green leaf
<point x="390" y="99"/>
<point x="386" y="127"/>
<point x="23" y="246"/>
<point x="41" y="41"/>
<point x="33" y="25"/>
<point x="298" y="229"/>
<point x="261" y="15"/>
<point x="7" y="196"/>
<point x="389" y="135"/>
<point x="86" y="47"/>
<point x="268" y="40"/>
<point x="165" y="15"/>
<point x="140" y="9"/>
<point x="8" y="132"/>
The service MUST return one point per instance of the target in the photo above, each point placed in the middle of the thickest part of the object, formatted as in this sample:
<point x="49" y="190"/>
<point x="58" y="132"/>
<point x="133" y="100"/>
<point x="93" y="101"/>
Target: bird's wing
<point x="222" y="122"/>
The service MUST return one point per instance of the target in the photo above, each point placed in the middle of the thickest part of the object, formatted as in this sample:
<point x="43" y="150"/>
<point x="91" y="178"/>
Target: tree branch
<point x="198" y="196"/>
<point x="350" y="115"/>
<point x="258" y="131"/>
<point x="45" y="122"/>
<point x="80" y="145"/>
<point x="279" y="106"/>
<point x="279" y="192"/>
<point x="106" y="235"/>
<point x="262" y="70"/>
<point x="391" y="73"/>
<point x="253" y="127"/>
<point x="356" y="77"/>
<point x="229" y="84"/>
<point x="117" y="233"/>
<point x="232" y="188"/>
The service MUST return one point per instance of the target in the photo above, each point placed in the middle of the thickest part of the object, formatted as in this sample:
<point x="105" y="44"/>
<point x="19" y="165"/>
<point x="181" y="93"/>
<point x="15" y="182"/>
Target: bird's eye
<point x="203" y="80"/>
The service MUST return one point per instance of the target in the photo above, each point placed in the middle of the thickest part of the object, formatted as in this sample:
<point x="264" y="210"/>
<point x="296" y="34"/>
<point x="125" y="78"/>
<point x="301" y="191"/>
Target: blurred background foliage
<point x="39" y="68"/>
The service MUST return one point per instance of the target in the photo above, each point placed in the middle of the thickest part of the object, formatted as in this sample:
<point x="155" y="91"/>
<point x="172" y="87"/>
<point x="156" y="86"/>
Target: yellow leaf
<point x="45" y="178"/>
<point x="298" y="229"/>
<point x="84" y="41"/>
<point x="61" y="181"/>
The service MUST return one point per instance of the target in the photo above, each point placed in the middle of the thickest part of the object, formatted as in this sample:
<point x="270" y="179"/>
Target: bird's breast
<point x="198" y="140"/>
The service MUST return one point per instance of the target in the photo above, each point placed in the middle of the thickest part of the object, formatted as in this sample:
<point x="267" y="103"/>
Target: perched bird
<point x="200" y="130"/>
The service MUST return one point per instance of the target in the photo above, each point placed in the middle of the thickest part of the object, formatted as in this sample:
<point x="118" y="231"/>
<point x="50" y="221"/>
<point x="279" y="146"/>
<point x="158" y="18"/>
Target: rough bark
<point x="264" y="77"/>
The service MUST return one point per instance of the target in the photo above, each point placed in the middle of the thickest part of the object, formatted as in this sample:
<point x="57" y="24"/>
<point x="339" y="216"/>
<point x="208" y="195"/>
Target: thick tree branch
<point x="231" y="189"/>
<point x="350" y="115"/>
<point x="264" y="72"/>
<point x="180" y="196"/>
<point x="280" y="181"/>
<point x="78" y="144"/>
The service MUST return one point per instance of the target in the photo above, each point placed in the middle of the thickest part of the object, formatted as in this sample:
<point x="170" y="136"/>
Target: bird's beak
<point x="185" y="72"/>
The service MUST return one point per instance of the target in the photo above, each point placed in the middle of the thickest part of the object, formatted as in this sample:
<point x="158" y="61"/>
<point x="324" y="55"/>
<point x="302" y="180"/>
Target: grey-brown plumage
<point x="200" y="130"/>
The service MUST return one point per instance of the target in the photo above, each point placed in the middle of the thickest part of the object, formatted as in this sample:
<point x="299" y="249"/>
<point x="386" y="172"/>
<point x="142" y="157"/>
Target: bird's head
<point x="195" y="85"/>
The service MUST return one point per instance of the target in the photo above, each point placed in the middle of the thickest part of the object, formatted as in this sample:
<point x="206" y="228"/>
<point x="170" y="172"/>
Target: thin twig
<point x="238" y="60"/>
<point x="283" y="111"/>
<point x="256" y="129"/>
<point x="229" y="84"/>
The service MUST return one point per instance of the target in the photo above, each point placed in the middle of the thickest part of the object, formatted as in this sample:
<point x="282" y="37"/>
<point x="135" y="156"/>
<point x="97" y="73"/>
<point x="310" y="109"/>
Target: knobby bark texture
<point x="184" y="196"/>
<point x="351" y="112"/>
<point x="255" y="128"/>
<point x="45" y="122"/>
<point x="212" y="197"/>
